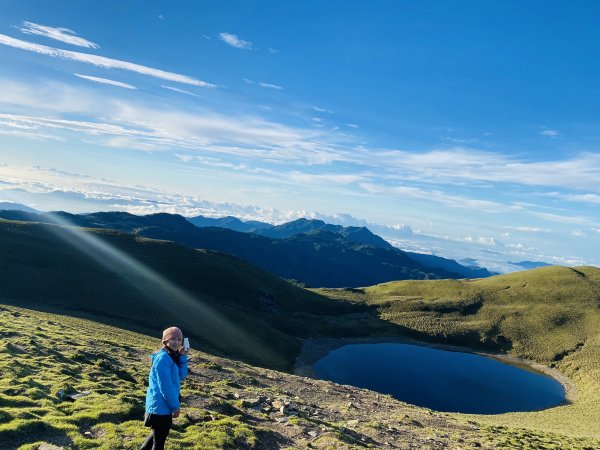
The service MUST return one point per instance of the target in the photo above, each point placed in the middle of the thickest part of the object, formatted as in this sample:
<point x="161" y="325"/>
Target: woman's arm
<point x="183" y="368"/>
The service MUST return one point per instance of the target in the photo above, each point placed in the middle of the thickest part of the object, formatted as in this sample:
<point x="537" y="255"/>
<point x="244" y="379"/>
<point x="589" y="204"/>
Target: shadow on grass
<point x="271" y="440"/>
<point x="28" y="431"/>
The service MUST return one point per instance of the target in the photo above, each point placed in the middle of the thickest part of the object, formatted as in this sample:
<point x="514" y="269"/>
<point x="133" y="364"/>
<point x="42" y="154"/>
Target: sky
<point x="467" y="129"/>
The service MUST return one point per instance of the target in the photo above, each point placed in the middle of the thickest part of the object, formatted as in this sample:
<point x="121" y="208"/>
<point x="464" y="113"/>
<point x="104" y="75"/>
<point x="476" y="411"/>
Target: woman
<point x="169" y="367"/>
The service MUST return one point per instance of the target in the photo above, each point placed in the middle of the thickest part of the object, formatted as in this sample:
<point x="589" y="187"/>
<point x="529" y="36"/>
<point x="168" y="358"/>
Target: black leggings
<point x="160" y="430"/>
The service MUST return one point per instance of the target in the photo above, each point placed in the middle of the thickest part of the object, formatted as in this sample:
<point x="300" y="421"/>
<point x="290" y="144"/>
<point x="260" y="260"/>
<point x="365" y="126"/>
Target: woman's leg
<point x="160" y="430"/>
<point x="160" y="437"/>
<point x="149" y="442"/>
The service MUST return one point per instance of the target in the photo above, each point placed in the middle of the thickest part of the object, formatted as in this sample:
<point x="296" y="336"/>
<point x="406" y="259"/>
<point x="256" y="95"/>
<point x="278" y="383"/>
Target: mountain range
<point x="310" y="252"/>
<point x="233" y="309"/>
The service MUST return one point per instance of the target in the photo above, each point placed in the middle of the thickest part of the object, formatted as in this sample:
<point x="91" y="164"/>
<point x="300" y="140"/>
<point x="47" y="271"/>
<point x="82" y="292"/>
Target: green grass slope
<point x="549" y="315"/>
<point x="226" y="404"/>
<point x="228" y="305"/>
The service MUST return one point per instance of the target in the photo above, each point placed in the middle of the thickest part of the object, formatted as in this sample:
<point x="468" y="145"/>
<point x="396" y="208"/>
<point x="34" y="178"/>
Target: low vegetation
<point x="224" y="303"/>
<point x="230" y="309"/>
<point x="549" y="315"/>
<point x="77" y="384"/>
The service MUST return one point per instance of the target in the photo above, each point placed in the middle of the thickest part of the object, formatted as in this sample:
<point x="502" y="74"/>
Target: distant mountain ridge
<point x="356" y="234"/>
<point x="230" y="222"/>
<point x="16" y="207"/>
<point x="530" y="264"/>
<point x="318" y="259"/>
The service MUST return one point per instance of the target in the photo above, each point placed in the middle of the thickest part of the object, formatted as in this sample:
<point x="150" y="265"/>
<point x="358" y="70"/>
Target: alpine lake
<point x="442" y="380"/>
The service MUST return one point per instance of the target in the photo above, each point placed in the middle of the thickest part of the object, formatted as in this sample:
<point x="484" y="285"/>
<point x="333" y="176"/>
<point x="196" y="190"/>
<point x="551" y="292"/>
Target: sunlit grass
<point x="76" y="356"/>
<point x="549" y="315"/>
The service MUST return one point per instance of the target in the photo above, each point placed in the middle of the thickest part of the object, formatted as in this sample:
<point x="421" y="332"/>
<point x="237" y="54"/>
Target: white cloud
<point x="481" y="240"/>
<point x="60" y="34"/>
<point x="151" y="128"/>
<point x="323" y="110"/>
<point x="582" y="198"/>
<point x="212" y="162"/>
<point x="353" y="125"/>
<point x="550" y="133"/>
<point x="436" y="196"/>
<point x="578" y="233"/>
<point x="35" y="135"/>
<point x="460" y="166"/>
<point x="105" y="81"/>
<point x="324" y="178"/>
<point x="530" y="229"/>
<point x="575" y="220"/>
<point x="273" y="50"/>
<point x="181" y="91"/>
<point x="234" y="41"/>
<point x="101" y="61"/>
<point x="269" y="85"/>
<point x="263" y="84"/>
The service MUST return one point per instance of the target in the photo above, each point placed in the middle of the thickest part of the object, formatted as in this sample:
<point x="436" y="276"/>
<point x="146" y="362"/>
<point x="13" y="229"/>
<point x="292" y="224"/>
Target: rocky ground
<point x="299" y="412"/>
<point x="68" y="383"/>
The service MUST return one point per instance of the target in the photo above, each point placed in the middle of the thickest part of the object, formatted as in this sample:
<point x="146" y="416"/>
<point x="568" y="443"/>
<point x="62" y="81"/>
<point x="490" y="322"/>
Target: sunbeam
<point x="193" y="313"/>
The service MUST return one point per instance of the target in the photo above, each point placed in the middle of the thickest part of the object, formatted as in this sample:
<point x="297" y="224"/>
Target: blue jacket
<point x="164" y="384"/>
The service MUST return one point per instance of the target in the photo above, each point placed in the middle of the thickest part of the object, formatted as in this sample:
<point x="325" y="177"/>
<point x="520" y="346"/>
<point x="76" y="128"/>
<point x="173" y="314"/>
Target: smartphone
<point x="186" y="344"/>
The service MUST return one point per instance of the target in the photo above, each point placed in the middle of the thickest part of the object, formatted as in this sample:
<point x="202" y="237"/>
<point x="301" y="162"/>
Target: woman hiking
<point x="169" y="367"/>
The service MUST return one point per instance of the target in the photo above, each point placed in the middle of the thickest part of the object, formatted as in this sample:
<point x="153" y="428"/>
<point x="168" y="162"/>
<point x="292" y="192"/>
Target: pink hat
<point x="170" y="333"/>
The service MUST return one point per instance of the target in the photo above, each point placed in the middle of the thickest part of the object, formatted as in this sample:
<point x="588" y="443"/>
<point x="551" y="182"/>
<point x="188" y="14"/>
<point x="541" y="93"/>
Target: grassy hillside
<point x="227" y="304"/>
<point x="226" y="404"/>
<point x="321" y="259"/>
<point x="550" y="315"/>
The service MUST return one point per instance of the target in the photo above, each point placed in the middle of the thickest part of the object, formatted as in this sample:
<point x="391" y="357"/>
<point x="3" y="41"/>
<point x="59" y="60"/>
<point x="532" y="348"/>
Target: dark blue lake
<point x="439" y="379"/>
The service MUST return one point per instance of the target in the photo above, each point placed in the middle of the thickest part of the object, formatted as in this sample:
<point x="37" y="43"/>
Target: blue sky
<point x="469" y="128"/>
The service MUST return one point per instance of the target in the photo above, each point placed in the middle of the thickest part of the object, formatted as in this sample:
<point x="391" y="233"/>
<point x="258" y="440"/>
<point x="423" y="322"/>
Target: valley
<point x="249" y="327"/>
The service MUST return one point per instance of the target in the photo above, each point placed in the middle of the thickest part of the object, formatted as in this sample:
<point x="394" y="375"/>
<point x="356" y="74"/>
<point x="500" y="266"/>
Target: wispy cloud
<point x="530" y="229"/>
<point x="437" y="196"/>
<point x="270" y="86"/>
<point x="323" y="178"/>
<point x="101" y="61"/>
<point x="234" y="41"/>
<point x="263" y="84"/>
<point x="105" y="81"/>
<point x="160" y="129"/>
<point x="323" y="110"/>
<point x="44" y="189"/>
<point x="459" y="166"/>
<point x="60" y="34"/>
<point x="212" y="162"/>
<point x="481" y="240"/>
<point x="35" y="135"/>
<point x="575" y="220"/>
<point x="181" y="91"/>
<point x="550" y="133"/>
<point x="273" y="50"/>
<point x="582" y="198"/>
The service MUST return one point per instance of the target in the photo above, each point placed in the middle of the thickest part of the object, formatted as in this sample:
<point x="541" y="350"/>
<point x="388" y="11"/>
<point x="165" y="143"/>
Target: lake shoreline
<point x="315" y="349"/>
